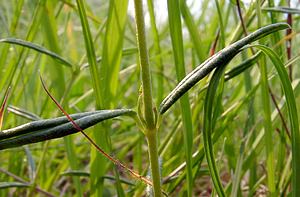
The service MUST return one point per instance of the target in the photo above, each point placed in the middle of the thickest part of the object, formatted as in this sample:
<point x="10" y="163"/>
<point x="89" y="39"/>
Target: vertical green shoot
<point x="96" y="159"/>
<point x="148" y="114"/>
<point x="157" y="50"/>
<point x="177" y="44"/>
<point x="267" y="116"/>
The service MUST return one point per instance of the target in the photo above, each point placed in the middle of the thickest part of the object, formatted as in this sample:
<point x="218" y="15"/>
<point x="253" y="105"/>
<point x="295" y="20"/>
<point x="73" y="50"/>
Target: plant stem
<point x="144" y="64"/>
<point x="153" y="156"/>
<point x="148" y="113"/>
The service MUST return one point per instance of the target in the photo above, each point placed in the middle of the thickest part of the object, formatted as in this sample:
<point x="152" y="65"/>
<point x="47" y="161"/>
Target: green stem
<point x="153" y="156"/>
<point x="144" y="64"/>
<point x="148" y="118"/>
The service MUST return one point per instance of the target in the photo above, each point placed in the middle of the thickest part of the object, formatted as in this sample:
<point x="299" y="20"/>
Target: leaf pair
<point x="42" y="130"/>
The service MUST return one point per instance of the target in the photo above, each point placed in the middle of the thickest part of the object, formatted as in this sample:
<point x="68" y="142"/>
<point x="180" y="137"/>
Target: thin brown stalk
<point x="241" y="17"/>
<point x="76" y="126"/>
<point x="2" y="109"/>
<point x="280" y="114"/>
<point x="289" y="41"/>
<point x="213" y="47"/>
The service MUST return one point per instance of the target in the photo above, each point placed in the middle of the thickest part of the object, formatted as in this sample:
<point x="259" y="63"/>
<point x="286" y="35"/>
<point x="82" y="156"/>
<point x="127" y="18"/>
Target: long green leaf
<point x="112" y="49"/>
<point x="282" y="10"/>
<point x="178" y="50"/>
<point x="110" y="64"/>
<point x="223" y="57"/>
<point x="43" y="124"/>
<point x="38" y="48"/>
<point x="4" y="185"/>
<point x="208" y="129"/>
<point x="58" y="131"/>
<point x="193" y="30"/>
<point x="293" y="116"/>
<point x="157" y="50"/>
<point x="97" y="160"/>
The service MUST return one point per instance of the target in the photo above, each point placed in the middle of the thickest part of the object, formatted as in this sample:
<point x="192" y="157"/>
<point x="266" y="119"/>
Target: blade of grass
<point x="112" y="50"/>
<point x="281" y="9"/>
<point x="38" y="48"/>
<point x="178" y="51"/>
<point x="292" y="111"/>
<point x="208" y="129"/>
<point x="157" y="52"/>
<point x="4" y="185"/>
<point x="20" y="61"/>
<point x="267" y="113"/>
<point x="49" y="25"/>
<point x="111" y="60"/>
<point x="12" y="30"/>
<point x="193" y="30"/>
<point x="96" y="159"/>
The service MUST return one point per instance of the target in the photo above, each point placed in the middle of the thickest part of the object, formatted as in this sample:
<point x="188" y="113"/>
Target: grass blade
<point x="4" y="185"/>
<point x="157" y="50"/>
<point x="281" y="9"/>
<point x="37" y="48"/>
<point x="208" y="129"/>
<point x="188" y="19"/>
<point x="177" y="44"/>
<point x="96" y="185"/>
<point x="110" y="64"/>
<point x="292" y="111"/>
<point x="112" y="50"/>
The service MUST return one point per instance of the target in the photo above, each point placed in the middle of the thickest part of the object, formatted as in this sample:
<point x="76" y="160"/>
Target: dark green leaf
<point x="60" y="130"/>
<point x="221" y="58"/>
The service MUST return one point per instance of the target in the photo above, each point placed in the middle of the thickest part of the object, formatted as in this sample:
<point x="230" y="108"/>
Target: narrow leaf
<point x="37" y="48"/>
<point x="282" y="10"/>
<point x="60" y="130"/>
<point x="208" y="129"/>
<point x="221" y="58"/>
<point x="178" y="50"/>
<point x="242" y="67"/>
<point x="292" y="111"/>
<point x="4" y="185"/>
<point x="44" y="124"/>
<point x="112" y="49"/>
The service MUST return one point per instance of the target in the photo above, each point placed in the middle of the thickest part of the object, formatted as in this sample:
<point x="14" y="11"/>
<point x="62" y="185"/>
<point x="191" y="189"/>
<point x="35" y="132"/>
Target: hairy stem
<point x="147" y="114"/>
<point x="144" y="64"/>
<point x="153" y="155"/>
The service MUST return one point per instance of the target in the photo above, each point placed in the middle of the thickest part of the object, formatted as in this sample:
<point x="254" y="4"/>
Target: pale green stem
<point x="148" y="118"/>
<point x="153" y="156"/>
<point x="144" y="64"/>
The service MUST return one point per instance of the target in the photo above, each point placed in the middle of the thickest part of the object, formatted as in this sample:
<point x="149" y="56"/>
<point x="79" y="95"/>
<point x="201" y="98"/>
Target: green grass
<point x="119" y="72"/>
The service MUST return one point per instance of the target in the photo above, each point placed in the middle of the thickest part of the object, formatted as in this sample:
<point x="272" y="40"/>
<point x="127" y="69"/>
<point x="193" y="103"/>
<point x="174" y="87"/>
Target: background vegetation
<point x="88" y="55"/>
